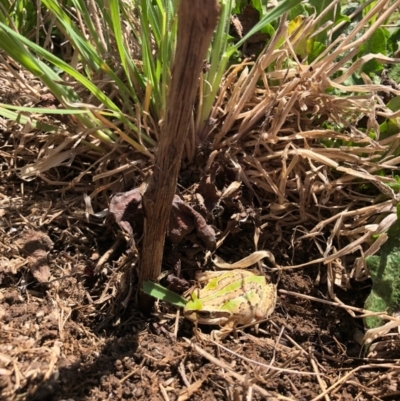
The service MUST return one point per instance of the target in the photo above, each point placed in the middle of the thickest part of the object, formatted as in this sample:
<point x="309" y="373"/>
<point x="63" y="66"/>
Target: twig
<point x="364" y="312"/>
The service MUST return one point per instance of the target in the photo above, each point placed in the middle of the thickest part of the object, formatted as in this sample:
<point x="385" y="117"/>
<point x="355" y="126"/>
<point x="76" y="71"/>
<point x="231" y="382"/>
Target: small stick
<point x="196" y="22"/>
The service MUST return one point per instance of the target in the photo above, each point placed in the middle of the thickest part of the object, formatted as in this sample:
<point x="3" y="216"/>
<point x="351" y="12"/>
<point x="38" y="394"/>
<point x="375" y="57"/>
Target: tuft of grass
<point x="302" y="131"/>
<point x="121" y="56"/>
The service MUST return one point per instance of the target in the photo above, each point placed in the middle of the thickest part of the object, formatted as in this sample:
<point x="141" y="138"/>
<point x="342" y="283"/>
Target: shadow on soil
<point x="94" y="370"/>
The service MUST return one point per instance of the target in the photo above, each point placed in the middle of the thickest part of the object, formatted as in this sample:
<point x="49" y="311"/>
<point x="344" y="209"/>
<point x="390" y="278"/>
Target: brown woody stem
<point x="196" y="23"/>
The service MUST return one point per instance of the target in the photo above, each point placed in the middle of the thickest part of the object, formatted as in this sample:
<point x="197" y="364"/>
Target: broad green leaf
<point x="317" y="49"/>
<point x="259" y="6"/>
<point x="394" y="72"/>
<point x="393" y="43"/>
<point x="375" y="44"/>
<point x="394" y="104"/>
<point x="388" y="128"/>
<point x="367" y="9"/>
<point x="384" y="272"/>
<point x="294" y="12"/>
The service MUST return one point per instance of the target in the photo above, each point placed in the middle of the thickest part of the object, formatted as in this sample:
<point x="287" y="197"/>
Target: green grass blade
<point x="11" y="42"/>
<point x="127" y="64"/>
<point x="160" y="292"/>
<point x="90" y="56"/>
<point x="273" y="15"/>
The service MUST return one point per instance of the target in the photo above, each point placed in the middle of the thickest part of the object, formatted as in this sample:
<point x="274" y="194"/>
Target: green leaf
<point x="367" y="9"/>
<point x="375" y="44"/>
<point x="297" y="10"/>
<point x="268" y="29"/>
<point x="23" y="119"/>
<point x="391" y="127"/>
<point x="257" y="4"/>
<point x="317" y="49"/>
<point x="394" y="72"/>
<point x="384" y="270"/>
<point x="388" y="128"/>
<point x="45" y="110"/>
<point x="394" y="104"/>
<point x="393" y="43"/>
<point x="396" y="187"/>
<point x="160" y="292"/>
<point x="273" y="15"/>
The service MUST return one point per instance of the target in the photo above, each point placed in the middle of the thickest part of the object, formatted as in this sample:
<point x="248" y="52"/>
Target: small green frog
<point x="230" y="298"/>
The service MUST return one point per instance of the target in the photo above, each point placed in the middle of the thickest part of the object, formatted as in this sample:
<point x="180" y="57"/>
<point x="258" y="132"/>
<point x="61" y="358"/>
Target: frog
<point x="230" y="298"/>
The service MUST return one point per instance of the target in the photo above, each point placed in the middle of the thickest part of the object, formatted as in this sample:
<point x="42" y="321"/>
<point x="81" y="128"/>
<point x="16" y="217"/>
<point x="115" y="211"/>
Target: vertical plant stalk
<point x="197" y="20"/>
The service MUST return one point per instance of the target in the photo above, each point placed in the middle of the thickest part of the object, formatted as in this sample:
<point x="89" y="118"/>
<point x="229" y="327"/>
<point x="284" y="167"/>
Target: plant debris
<point x="127" y="209"/>
<point x="35" y="245"/>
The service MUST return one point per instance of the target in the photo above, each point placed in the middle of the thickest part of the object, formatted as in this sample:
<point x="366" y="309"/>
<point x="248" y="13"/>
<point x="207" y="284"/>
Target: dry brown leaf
<point x="245" y="262"/>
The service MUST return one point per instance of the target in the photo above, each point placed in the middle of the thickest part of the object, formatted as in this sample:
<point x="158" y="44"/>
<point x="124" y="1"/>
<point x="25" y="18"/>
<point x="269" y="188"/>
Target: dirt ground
<point x="81" y="337"/>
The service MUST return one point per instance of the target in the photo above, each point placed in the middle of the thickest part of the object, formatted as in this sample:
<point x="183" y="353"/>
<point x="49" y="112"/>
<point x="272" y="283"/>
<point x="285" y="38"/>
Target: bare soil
<point x="81" y="337"/>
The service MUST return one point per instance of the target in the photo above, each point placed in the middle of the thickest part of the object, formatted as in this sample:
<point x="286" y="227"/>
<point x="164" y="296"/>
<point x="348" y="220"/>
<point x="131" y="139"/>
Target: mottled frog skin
<point x="230" y="298"/>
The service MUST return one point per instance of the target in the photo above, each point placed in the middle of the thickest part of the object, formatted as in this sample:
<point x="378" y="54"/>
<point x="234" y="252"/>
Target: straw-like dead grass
<point x="273" y="133"/>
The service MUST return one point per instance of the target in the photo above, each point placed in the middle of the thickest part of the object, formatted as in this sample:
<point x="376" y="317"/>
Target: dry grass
<point x="272" y="135"/>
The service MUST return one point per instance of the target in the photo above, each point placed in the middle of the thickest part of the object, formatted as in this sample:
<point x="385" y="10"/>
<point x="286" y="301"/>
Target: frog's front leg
<point x="216" y="335"/>
<point x="225" y="331"/>
<point x="197" y="333"/>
